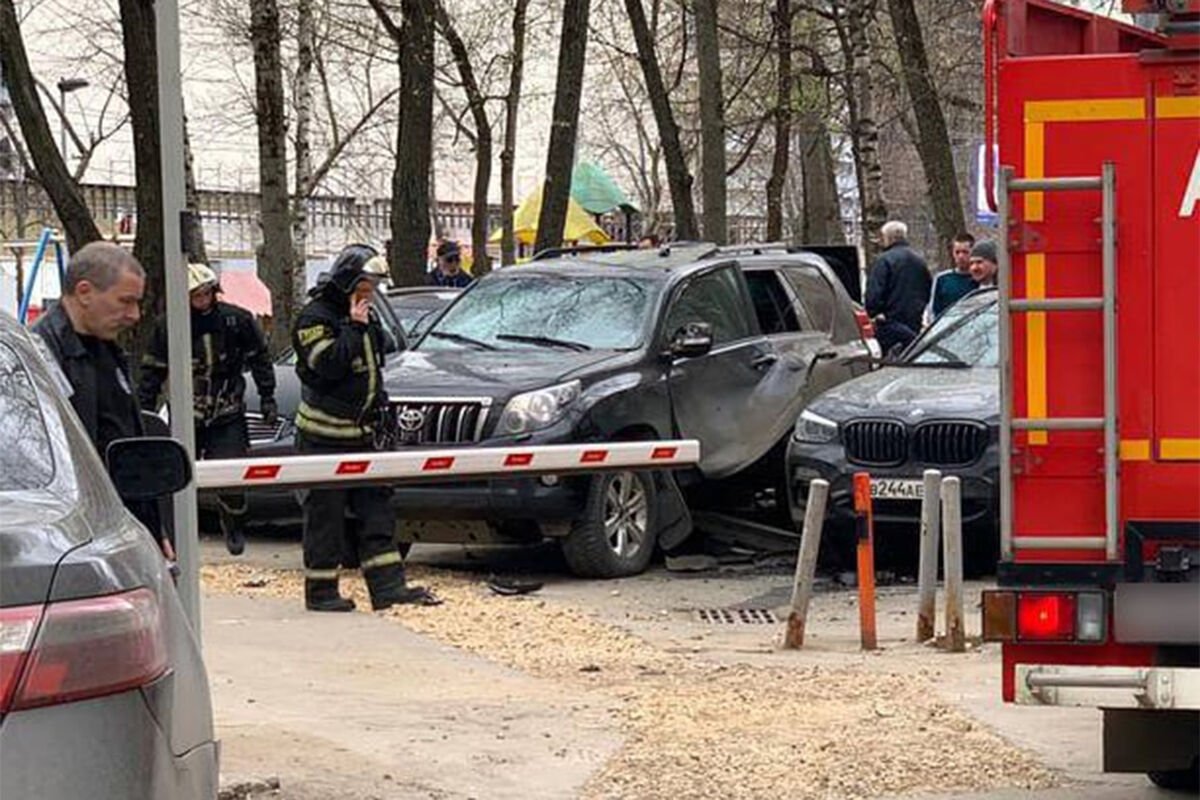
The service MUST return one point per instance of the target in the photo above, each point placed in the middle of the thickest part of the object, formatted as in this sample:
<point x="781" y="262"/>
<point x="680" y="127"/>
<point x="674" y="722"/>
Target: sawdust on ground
<point x="702" y="730"/>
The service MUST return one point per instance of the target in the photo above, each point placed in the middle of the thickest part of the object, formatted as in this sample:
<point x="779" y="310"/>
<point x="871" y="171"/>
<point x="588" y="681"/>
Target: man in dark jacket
<point x="897" y="289"/>
<point x="101" y="297"/>
<point x="339" y="346"/>
<point x="225" y="340"/>
<point x="449" y="273"/>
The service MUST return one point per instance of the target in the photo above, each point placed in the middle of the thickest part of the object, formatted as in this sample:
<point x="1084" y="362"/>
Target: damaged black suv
<point x="690" y="341"/>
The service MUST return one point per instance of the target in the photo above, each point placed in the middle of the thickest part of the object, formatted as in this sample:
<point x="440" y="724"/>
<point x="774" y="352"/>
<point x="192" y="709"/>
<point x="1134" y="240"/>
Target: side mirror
<point x="148" y="468"/>
<point x="692" y="340"/>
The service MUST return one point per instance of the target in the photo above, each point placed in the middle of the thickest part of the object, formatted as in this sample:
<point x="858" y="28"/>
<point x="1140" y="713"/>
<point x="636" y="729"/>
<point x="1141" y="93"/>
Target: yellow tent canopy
<point x="579" y="226"/>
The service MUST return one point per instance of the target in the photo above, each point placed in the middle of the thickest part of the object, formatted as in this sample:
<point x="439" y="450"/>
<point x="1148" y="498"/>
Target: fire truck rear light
<point x="1046" y="616"/>
<point x="93" y="647"/>
<point x="999" y="616"/>
<point x="1090" y="621"/>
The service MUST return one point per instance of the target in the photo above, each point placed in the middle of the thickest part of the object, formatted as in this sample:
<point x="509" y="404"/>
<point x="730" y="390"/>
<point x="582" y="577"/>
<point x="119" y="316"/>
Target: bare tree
<point x="679" y="179"/>
<point x="305" y="48"/>
<point x="275" y="254"/>
<point x="783" y="119"/>
<point x="712" y="122"/>
<point x="58" y="182"/>
<point x="193" y="229"/>
<point x="568" y="90"/>
<point x="932" y="140"/>
<point x="482" y="139"/>
<point x="414" y="140"/>
<point x="508" y="156"/>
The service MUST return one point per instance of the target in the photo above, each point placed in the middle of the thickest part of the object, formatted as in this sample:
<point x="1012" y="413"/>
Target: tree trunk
<point x="483" y="141"/>
<point x="933" y="142"/>
<point x="855" y="19"/>
<point x="53" y="174"/>
<point x="141" y="78"/>
<point x="822" y="209"/>
<point x="560" y="160"/>
<point x="193" y="229"/>
<point x="783" y="120"/>
<point x="305" y="46"/>
<point x="414" y="139"/>
<point x="275" y="255"/>
<point x="508" y="157"/>
<point x="712" y="122"/>
<point x="679" y="180"/>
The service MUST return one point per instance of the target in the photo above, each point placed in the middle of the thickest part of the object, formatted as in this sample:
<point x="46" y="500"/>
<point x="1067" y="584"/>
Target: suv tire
<point x="616" y="535"/>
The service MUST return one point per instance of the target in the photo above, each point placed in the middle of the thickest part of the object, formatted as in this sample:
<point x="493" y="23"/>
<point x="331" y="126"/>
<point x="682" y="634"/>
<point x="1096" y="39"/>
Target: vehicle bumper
<point x="805" y="463"/>
<point x="1108" y="687"/>
<point x="108" y="748"/>
<point x="518" y="498"/>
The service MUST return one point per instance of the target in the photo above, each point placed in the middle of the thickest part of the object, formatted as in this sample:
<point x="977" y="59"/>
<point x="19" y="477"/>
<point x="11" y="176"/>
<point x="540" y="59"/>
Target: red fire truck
<point x="1097" y="126"/>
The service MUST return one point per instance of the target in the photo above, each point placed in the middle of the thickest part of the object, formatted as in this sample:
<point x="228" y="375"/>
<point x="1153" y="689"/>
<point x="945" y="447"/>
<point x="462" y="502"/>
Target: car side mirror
<point x="148" y="468"/>
<point x="692" y="340"/>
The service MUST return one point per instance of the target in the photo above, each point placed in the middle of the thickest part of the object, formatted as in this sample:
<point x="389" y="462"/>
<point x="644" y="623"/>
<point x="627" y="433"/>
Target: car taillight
<point x="865" y="325"/>
<point x="1044" y="616"/>
<point x="88" y="648"/>
<point x="17" y="627"/>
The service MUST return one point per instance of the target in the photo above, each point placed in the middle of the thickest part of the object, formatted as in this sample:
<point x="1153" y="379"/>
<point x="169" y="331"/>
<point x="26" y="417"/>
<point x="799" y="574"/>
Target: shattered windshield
<point x="965" y="334"/>
<point x="567" y="312"/>
<point x="26" y="457"/>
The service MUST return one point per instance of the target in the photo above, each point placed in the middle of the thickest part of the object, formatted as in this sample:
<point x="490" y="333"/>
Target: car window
<point x="585" y="311"/>
<point x="26" y="456"/>
<point x="816" y="295"/>
<point x="969" y="334"/>
<point x="772" y="304"/>
<point x="714" y="298"/>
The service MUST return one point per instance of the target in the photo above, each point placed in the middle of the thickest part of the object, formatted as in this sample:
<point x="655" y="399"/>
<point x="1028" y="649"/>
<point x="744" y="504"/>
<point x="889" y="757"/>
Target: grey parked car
<point x="937" y="406"/>
<point x="103" y="693"/>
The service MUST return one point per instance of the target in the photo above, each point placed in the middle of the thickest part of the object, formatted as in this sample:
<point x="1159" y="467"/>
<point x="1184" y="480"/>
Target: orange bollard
<point x="864" y="524"/>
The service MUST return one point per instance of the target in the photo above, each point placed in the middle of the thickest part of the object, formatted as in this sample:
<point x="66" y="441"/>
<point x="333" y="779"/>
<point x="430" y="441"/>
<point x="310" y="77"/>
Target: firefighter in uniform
<point x="339" y="346"/>
<point x="225" y="340"/>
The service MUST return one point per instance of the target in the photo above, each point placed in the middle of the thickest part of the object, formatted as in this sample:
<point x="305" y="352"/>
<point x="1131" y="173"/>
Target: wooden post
<point x="806" y="563"/>
<point x="931" y="528"/>
<point x="952" y="542"/>
<point x="864" y="522"/>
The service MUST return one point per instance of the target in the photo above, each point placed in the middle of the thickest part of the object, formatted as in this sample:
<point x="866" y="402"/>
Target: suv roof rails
<point x="574" y="250"/>
<point x="704" y="250"/>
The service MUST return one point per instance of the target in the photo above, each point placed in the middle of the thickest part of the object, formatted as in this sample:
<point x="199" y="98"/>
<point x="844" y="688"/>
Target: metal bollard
<point x="931" y="528"/>
<point x="864" y="522"/>
<point x="952" y="555"/>
<point x="806" y="563"/>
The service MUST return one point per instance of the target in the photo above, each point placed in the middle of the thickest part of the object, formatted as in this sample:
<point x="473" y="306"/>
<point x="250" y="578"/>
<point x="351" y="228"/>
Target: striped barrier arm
<point x="420" y="464"/>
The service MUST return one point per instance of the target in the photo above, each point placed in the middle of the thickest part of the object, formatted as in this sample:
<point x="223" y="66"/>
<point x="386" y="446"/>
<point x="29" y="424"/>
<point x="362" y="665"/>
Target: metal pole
<point x="931" y="528"/>
<point x="864" y="521"/>
<point x="179" y="329"/>
<point x="62" y="122"/>
<point x="952" y="542"/>
<point x="1006" y="387"/>
<point x="806" y="563"/>
<point x="1111" y="455"/>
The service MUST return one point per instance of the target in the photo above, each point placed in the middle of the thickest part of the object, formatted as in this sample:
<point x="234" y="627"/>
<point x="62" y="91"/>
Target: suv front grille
<point x="441" y="420"/>
<point x="949" y="443"/>
<point x="877" y="443"/>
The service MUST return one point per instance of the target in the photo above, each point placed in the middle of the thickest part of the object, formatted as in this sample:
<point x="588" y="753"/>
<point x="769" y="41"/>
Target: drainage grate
<point x="736" y="616"/>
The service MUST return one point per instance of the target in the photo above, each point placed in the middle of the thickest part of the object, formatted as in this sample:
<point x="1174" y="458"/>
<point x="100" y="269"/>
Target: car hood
<point x="487" y="373"/>
<point x="915" y="394"/>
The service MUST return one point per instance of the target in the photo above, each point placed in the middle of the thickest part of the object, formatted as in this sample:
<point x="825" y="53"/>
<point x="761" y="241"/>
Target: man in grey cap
<point x="985" y="263"/>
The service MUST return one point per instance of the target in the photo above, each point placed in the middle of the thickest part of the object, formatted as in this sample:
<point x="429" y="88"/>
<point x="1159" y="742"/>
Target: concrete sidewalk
<point x="341" y="706"/>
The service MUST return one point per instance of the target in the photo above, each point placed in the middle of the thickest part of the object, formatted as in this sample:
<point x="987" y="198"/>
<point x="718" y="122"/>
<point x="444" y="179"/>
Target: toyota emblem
<point x="411" y="420"/>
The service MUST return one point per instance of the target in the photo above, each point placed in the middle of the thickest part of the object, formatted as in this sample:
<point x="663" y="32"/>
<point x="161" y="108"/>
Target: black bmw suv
<point x="690" y="341"/>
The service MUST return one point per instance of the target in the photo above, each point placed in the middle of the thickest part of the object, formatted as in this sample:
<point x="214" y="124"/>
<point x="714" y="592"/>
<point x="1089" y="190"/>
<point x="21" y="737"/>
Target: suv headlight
<point x="812" y="427"/>
<point x="541" y="409"/>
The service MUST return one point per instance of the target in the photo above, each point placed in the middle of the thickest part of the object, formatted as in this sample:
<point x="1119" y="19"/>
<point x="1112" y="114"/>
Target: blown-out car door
<point x="717" y="398"/>
<point x="841" y="354"/>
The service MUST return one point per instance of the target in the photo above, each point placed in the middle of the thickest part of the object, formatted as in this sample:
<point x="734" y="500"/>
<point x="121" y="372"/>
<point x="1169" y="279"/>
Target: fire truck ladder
<point x="1107" y="305"/>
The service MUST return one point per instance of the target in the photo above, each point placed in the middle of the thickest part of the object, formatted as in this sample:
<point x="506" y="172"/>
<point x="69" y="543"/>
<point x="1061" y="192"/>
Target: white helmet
<point x="200" y="276"/>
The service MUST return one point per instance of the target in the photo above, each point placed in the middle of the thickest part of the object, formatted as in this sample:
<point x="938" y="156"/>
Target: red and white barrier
<point x="418" y="464"/>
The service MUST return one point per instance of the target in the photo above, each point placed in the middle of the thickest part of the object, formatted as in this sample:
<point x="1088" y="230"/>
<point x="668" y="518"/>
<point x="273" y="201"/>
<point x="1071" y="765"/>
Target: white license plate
<point x="897" y="489"/>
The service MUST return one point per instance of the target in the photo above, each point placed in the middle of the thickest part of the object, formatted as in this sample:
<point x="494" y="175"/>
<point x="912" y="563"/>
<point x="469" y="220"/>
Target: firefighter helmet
<point x="356" y="262"/>
<point x="200" y="276"/>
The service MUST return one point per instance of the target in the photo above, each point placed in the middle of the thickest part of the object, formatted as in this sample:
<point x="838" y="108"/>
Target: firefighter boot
<point x="321" y="594"/>
<point x="385" y="582"/>
<point x="232" y="525"/>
